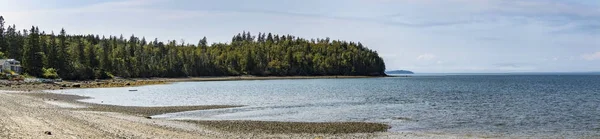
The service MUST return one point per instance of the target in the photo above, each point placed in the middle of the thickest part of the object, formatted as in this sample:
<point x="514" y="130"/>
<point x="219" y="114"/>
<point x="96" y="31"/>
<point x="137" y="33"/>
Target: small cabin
<point x="10" y="65"/>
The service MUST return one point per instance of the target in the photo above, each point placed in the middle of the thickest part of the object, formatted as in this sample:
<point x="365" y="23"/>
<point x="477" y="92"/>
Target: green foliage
<point x="83" y="57"/>
<point x="102" y="74"/>
<point x="6" y="74"/>
<point x="32" y="55"/>
<point x="2" y="55"/>
<point x="50" y="73"/>
<point x="3" y="39"/>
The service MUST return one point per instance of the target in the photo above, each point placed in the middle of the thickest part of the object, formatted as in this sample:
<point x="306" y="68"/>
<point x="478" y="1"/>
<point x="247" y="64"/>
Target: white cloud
<point x="592" y="56"/>
<point x="426" y="57"/>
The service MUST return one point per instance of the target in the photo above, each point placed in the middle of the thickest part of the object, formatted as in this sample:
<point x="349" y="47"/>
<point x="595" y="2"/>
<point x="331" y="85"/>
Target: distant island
<point x="91" y="56"/>
<point x="399" y="72"/>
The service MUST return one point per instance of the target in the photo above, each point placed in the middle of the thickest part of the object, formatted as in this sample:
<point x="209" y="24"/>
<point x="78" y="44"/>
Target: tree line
<point x="83" y="57"/>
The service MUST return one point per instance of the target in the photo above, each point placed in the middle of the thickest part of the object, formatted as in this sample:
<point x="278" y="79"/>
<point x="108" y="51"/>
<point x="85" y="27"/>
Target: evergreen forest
<point x="85" y="57"/>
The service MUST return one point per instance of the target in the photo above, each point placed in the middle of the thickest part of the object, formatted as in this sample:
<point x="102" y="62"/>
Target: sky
<point x="425" y="36"/>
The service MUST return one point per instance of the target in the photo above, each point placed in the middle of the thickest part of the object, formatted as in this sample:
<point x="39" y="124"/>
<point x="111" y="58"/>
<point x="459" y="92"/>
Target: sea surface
<point x="563" y="105"/>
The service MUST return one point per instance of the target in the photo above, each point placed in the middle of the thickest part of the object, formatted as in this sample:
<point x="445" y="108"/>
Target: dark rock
<point x="76" y="85"/>
<point x="47" y="132"/>
<point x="404" y="118"/>
<point x="148" y="117"/>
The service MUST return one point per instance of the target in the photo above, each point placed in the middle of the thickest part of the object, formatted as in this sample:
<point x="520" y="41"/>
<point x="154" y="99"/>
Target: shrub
<point x="50" y="73"/>
<point x="102" y="74"/>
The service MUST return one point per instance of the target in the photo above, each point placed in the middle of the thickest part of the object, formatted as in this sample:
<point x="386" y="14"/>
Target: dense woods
<point x="82" y="57"/>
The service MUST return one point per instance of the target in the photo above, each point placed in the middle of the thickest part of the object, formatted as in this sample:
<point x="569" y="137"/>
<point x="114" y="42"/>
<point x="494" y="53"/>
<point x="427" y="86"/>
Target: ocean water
<point x="496" y="105"/>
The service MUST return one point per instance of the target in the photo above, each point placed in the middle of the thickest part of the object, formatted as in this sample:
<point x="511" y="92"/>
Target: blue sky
<point x="418" y="35"/>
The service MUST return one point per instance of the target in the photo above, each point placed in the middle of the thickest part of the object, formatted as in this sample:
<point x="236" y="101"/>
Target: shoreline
<point x="131" y="82"/>
<point x="71" y="102"/>
<point x="242" y="78"/>
<point x="131" y="110"/>
<point x="27" y="115"/>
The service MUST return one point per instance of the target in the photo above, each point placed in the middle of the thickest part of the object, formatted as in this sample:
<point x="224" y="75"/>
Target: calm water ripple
<point x="566" y="105"/>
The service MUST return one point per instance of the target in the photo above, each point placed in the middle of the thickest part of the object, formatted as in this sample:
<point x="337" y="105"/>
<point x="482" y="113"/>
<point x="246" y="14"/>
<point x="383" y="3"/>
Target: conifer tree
<point x="85" y="57"/>
<point x="52" y="55"/>
<point x="32" y="55"/>
<point x="3" y="40"/>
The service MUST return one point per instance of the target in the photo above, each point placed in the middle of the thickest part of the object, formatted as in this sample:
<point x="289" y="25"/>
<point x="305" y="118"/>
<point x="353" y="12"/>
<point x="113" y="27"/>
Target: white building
<point x="10" y="64"/>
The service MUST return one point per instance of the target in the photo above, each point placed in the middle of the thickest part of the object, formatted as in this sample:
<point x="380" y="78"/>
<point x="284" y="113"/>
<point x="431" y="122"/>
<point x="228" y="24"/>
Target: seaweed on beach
<point x="295" y="127"/>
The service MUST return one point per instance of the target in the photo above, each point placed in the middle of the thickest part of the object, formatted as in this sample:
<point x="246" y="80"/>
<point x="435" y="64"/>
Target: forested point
<point x="84" y="57"/>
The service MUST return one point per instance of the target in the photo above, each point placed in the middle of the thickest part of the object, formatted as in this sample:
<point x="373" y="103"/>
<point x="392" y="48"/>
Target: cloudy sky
<point x="419" y="35"/>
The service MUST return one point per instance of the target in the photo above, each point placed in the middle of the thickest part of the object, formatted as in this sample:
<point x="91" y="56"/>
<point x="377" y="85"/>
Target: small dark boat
<point x="133" y="90"/>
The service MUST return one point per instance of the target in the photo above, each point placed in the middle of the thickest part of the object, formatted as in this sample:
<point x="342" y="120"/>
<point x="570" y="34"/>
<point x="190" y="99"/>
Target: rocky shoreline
<point x="109" y="83"/>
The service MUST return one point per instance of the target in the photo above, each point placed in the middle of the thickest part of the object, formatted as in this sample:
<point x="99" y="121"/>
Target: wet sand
<point x="132" y="110"/>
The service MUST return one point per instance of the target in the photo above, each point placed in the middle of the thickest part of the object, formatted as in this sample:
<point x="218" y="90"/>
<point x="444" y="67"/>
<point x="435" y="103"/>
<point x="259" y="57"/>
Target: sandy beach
<point x="44" y="115"/>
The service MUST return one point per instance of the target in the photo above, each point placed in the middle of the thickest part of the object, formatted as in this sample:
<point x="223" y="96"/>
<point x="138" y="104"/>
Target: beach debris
<point x="47" y="132"/>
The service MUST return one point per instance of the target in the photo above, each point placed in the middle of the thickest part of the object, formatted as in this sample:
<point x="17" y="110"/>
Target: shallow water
<point x="521" y="105"/>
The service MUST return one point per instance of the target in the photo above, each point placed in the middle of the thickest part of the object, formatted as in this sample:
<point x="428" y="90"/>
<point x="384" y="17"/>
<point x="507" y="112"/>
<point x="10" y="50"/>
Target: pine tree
<point x="3" y="39"/>
<point x="106" y="51"/>
<point x="203" y="42"/>
<point x="52" y="55"/>
<point x="63" y="56"/>
<point x="249" y="62"/>
<point x="84" y="57"/>
<point x="32" y="55"/>
<point x="44" y="48"/>
<point x="81" y="52"/>
<point x="15" y="43"/>
<point x="92" y="59"/>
